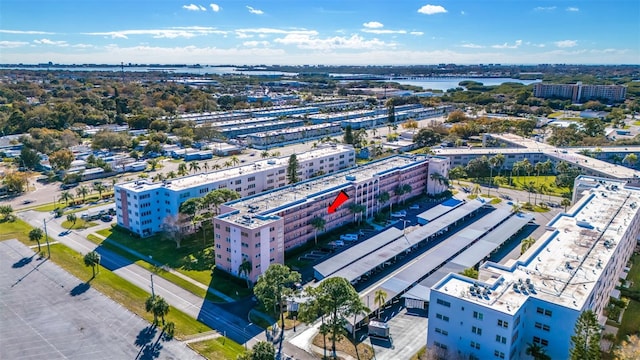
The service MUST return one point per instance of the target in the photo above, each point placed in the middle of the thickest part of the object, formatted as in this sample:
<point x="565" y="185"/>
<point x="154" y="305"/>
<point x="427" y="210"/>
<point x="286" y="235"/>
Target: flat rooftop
<point x="214" y="176"/>
<point x="566" y="261"/>
<point x="272" y="202"/>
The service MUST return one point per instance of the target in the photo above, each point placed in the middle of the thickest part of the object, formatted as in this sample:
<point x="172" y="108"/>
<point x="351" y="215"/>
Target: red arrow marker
<point x="340" y="199"/>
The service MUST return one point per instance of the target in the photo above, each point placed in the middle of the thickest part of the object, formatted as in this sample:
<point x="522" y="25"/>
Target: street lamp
<point x="294" y="322"/>
<point x="404" y="224"/>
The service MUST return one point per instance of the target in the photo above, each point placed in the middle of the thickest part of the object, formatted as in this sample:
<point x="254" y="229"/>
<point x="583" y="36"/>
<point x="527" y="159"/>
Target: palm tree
<point x="526" y="244"/>
<point x="100" y="188"/>
<point x="157" y="306"/>
<point x="537" y="352"/>
<point x="516" y="208"/>
<point x="499" y="181"/>
<point x="194" y="167"/>
<point x="565" y="202"/>
<point x="630" y="159"/>
<point x="83" y="191"/>
<point x="182" y="169"/>
<point x="35" y="235"/>
<point x="171" y="174"/>
<point x="66" y="196"/>
<point x="234" y="160"/>
<point x="228" y="163"/>
<point x="383" y="197"/>
<point x="406" y="189"/>
<point x="264" y="154"/>
<point x="318" y="224"/>
<point x="92" y="259"/>
<point x="153" y="163"/>
<point x="205" y="167"/>
<point x="379" y="298"/>
<point x="356" y="309"/>
<point x="355" y="210"/>
<point x="216" y="166"/>
<point x="245" y="269"/>
<point x="72" y="218"/>
<point x="475" y="190"/>
<point x="494" y="161"/>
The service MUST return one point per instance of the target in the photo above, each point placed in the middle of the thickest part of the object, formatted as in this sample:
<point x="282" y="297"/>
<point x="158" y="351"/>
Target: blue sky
<point x="375" y="32"/>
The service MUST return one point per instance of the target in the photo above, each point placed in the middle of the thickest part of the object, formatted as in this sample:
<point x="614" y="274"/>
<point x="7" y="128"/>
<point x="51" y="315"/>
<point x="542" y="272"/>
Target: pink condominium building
<point x="260" y="228"/>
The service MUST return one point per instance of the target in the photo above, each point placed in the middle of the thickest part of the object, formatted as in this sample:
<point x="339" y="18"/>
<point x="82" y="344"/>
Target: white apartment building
<point x="537" y="298"/>
<point x="143" y="206"/>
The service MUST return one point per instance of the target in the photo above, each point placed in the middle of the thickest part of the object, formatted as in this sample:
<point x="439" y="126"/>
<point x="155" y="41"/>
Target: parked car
<point x="106" y="218"/>
<point x="399" y="214"/>
<point x="414" y="207"/>
<point x="111" y="211"/>
<point x="25" y="202"/>
<point x="349" y="237"/>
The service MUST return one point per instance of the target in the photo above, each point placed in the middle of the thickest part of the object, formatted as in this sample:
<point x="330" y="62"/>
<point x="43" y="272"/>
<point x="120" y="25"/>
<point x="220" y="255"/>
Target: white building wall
<point x="236" y="249"/>
<point x="265" y="245"/>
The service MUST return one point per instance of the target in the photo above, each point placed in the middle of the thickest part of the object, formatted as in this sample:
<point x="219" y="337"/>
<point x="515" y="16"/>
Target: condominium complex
<point x="537" y="298"/>
<point x="578" y="92"/>
<point x="260" y="228"/>
<point x="143" y="206"/>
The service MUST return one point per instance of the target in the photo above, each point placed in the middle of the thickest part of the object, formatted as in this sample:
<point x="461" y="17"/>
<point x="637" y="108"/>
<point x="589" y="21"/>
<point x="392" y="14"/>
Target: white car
<point x="414" y="207"/>
<point x="399" y="214"/>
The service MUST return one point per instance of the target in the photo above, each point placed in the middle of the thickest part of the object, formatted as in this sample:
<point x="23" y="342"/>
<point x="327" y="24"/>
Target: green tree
<point x="190" y="208"/>
<point x="158" y="306"/>
<point x="318" y="224"/>
<point x="61" y="159"/>
<point x="470" y="272"/>
<point x="356" y="209"/>
<point x="244" y="270"/>
<point x="379" y="298"/>
<point x="234" y="160"/>
<point x="348" y="135"/>
<point x="36" y="235"/>
<point x="83" y="191"/>
<point x="66" y="196"/>
<point x="72" y="218"/>
<point x="292" y="169"/>
<point x="194" y="167"/>
<point x="100" y="188"/>
<point x="15" y="182"/>
<point x="264" y="154"/>
<point x="526" y="244"/>
<point x="153" y="163"/>
<point x="169" y="330"/>
<point x="262" y="350"/>
<point x="7" y="212"/>
<point x="629" y="349"/>
<point x="537" y="352"/>
<point x="426" y="137"/>
<point x="566" y="203"/>
<point x="274" y="285"/>
<point x="29" y="158"/>
<point x="182" y="169"/>
<point x="585" y="342"/>
<point x="630" y="159"/>
<point x="383" y="198"/>
<point x="457" y="173"/>
<point x="92" y="259"/>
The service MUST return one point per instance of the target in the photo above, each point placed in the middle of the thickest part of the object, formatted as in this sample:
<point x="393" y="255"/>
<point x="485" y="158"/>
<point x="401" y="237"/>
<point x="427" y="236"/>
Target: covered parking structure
<point x="418" y="295"/>
<point x="438" y="210"/>
<point x="389" y="253"/>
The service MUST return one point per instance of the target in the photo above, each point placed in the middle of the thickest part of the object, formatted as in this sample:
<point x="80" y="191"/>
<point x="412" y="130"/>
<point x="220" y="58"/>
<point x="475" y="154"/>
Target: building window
<point x="443" y="303"/>
<point x="476" y="330"/>
<point x="498" y="354"/>
<point x="443" y="332"/>
<point x="442" y="317"/>
<point x="501" y="339"/>
<point x="503" y="324"/>
<point x="542" y="311"/>
<point x="478" y="315"/>
<point x="475" y="345"/>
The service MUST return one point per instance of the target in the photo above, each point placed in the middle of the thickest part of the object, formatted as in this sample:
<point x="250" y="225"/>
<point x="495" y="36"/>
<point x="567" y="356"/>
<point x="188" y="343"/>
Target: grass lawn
<point x="47" y="207"/>
<point x="80" y="224"/>
<point x="365" y="352"/>
<point x="519" y="182"/>
<point x="17" y="229"/>
<point x="218" y="348"/>
<point x="190" y="259"/>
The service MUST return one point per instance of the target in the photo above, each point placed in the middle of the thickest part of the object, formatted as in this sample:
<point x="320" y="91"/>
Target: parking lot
<point x="48" y="314"/>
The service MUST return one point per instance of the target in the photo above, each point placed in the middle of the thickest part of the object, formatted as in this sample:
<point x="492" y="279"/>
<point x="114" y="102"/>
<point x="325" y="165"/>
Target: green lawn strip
<point x="196" y="290"/>
<point x="631" y="316"/>
<point x="120" y="290"/>
<point x="17" y="229"/>
<point x="190" y="259"/>
<point x="218" y="348"/>
<point x="80" y="224"/>
<point x="46" y="207"/>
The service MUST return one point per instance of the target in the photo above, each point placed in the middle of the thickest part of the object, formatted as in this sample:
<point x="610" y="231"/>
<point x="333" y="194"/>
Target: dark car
<point x="106" y="218"/>
<point x="111" y="211"/>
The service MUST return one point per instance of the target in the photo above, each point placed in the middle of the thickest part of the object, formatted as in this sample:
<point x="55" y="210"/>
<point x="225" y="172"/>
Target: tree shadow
<point x="145" y="336"/>
<point x="151" y="351"/>
<point x="22" y="262"/>
<point x="80" y="289"/>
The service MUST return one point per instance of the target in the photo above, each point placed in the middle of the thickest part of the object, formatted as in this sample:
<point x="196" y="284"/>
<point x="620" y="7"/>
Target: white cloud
<point x="172" y="33"/>
<point x="82" y="46"/>
<point x="471" y="46"/>
<point x="383" y="31"/>
<point x="373" y="25"/>
<point x="12" y="44"/>
<point x="572" y="9"/>
<point x="25" y="32"/>
<point x="417" y="33"/>
<point x="566" y="43"/>
<point x="462" y="12"/>
<point x="215" y="7"/>
<point x="255" y="43"/>
<point x="432" y="9"/>
<point x="241" y="35"/>
<point x="269" y="31"/>
<point x="543" y="8"/>
<point x="255" y="11"/>
<point x="50" y="42"/>
<point x="507" y="46"/>
<point x="194" y="7"/>
<point x="305" y="41"/>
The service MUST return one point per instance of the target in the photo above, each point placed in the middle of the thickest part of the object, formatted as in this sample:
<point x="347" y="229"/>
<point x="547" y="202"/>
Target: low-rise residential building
<point x="260" y="228"/>
<point x="143" y="206"/>
<point x="536" y="299"/>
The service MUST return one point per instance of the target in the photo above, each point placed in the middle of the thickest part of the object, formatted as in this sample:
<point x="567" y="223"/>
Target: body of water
<point x="446" y="83"/>
<point x="216" y="70"/>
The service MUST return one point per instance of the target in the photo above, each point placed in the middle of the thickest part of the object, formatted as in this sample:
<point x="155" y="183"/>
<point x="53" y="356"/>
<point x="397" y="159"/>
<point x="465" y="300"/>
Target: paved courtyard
<point x="46" y="313"/>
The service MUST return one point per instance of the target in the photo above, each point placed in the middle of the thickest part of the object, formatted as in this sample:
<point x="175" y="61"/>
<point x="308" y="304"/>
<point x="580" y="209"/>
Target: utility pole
<point x="152" y="292"/>
<point x="46" y="238"/>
